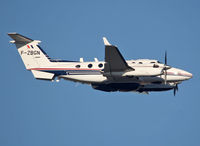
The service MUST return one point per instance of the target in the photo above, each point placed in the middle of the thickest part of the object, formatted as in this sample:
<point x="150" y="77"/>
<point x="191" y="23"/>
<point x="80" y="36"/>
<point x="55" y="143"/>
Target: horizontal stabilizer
<point x="19" y="39"/>
<point x="42" y="75"/>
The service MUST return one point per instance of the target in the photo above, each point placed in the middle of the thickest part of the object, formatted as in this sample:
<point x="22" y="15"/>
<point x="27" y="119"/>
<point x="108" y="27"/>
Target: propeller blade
<point x="165" y="57"/>
<point x="165" y="72"/>
<point x="174" y="92"/>
<point x="166" y="67"/>
<point x="175" y="89"/>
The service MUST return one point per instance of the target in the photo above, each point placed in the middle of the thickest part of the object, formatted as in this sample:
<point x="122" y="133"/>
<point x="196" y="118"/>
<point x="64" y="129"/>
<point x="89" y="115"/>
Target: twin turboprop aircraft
<point x="113" y="74"/>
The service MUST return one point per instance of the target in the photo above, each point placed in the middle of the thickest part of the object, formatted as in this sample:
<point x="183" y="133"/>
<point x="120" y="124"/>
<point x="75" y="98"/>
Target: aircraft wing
<point x="114" y="61"/>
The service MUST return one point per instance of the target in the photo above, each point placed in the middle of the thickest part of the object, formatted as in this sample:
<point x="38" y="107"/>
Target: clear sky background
<point x="38" y="113"/>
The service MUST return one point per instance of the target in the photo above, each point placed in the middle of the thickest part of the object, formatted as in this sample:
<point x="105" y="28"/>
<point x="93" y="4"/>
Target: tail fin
<point x="32" y="55"/>
<point x="29" y="50"/>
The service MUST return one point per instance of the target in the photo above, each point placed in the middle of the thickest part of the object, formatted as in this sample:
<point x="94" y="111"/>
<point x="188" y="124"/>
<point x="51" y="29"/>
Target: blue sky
<point x="37" y="113"/>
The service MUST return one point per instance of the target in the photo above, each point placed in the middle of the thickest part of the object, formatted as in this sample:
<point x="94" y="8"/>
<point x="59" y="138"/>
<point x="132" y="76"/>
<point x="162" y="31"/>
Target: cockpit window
<point x="153" y="62"/>
<point x="155" y="66"/>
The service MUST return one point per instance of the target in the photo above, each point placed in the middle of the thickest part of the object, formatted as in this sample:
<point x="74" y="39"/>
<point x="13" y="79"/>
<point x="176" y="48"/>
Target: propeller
<point x="166" y="67"/>
<point x="175" y="89"/>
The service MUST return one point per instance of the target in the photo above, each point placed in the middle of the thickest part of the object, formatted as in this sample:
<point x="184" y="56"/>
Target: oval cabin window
<point x="89" y="65"/>
<point x="100" y="65"/>
<point x="78" y="66"/>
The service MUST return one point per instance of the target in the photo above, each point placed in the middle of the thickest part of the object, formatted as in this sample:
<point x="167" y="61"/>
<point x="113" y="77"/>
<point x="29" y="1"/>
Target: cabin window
<point x="153" y="62"/>
<point x="100" y="65"/>
<point x="140" y="62"/>
<point x="155" y="66"/>
<point x="89" y="65"/>
<point x="133" y="62"/>
<point x="31" y="46"/>
<point x="78" y="66"/>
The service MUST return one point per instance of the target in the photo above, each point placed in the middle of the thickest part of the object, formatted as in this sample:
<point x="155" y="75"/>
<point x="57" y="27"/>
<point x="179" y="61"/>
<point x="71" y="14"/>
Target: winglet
<point x="106" y="42"/>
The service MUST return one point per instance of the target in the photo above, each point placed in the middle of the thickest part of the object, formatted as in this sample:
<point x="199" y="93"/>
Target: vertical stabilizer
<point x="32" y="55"/>
<point x="29" y="50"/>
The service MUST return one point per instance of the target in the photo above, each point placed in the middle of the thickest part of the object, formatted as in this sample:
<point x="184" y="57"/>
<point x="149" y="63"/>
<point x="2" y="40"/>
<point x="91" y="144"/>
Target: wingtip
<point x="106" y="41"/>
<point x="10" y="33"/>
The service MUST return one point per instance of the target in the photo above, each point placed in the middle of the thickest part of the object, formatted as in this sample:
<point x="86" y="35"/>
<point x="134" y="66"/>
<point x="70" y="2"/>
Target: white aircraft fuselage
<point x="112" y="74"/>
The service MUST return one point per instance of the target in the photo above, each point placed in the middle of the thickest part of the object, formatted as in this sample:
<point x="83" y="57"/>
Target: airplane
<point x="113" y="74"/>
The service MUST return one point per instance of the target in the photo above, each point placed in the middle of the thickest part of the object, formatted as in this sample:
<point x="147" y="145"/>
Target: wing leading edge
<point x="114" y="61"/>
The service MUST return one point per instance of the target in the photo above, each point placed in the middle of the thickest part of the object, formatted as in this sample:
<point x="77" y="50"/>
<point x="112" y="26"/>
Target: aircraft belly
<point x="86" y="78"/>
<point x="103" y="79"/>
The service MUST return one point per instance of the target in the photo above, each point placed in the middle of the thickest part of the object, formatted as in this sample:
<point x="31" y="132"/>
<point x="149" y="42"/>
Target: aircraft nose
<point x="187" y="74"/>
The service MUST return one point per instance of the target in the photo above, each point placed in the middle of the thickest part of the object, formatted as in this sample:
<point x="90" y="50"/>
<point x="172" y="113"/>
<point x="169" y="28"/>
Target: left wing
<point x="114" y="61"/>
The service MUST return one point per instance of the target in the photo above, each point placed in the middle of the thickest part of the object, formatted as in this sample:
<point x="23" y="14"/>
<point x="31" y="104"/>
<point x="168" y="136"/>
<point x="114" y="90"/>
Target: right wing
<point x="114" y="61"/>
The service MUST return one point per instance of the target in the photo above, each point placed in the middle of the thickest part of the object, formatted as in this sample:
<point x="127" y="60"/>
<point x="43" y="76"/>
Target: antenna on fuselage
<point x="96" y="60"/>
<point x="81" y="60"/>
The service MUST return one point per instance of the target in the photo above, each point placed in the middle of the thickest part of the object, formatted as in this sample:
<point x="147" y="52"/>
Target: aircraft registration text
<point x="31" y="52"/>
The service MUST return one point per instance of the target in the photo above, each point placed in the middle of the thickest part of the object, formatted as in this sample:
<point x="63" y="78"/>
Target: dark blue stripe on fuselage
<point x="73" y="72"/>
